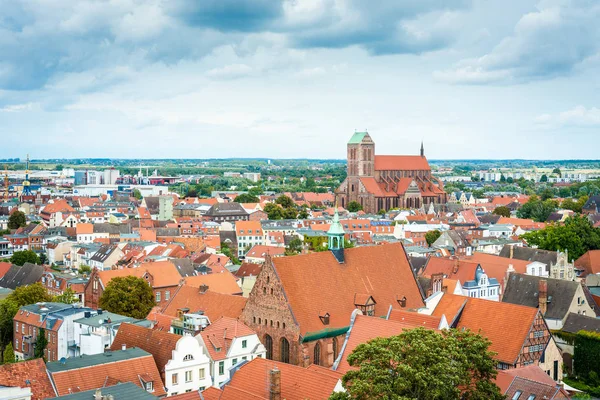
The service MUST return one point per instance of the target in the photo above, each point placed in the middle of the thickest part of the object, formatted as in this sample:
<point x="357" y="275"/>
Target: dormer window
<point x="365" y="303"/>
<point x="324" y="317"/>
<point x="401" y="301"/>
<point x="188" y="357"/>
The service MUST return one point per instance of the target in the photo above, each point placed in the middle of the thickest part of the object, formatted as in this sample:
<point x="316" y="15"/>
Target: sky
<point x="296" y="78"/>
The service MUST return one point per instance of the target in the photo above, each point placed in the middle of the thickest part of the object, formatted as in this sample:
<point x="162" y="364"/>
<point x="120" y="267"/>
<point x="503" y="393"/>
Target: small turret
<point x="335" y="237"/>
<point x="422" y="149"/>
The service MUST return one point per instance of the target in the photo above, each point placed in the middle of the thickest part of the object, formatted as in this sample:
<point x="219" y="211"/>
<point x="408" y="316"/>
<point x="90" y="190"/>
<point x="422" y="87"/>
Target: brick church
<point x="383" y="182"/>
<point x="301" y="306"/>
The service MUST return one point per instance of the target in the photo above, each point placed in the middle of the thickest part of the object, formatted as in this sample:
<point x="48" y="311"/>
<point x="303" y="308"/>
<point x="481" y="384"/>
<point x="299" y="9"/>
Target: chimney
<point x="543" y="296"/>
<point x="98" y="395"/>
<point x="512" y="250"/>
<point x="203" y="288"/>
<point x="275" y="384"/>
<point x="123" y="346"/>
<point x="455" y="268"/>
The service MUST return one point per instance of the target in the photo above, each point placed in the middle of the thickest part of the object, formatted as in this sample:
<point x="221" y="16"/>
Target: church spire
<point x="422" y="150"/>
<point x="335" y="236"/>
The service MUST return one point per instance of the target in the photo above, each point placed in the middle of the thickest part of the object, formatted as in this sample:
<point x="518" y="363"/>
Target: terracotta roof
<point x="223" y="282"/>
<point x="530" y="380"/>
<point x="381" y="271"/>
<point x="220" y="334"/>
<point x="242" y="228"/>
<point x="401" y="163"/>
<point x="58" y="206"/>
<point x="366" y="328"/>
<point x="214" y="305"/>
<point x="195" y="395"/>
<point x="297" y="383"/>
<point x="34" y="371"/>
<point x="158" y="343"/>
<point x="162" y="322"/>
<point x="493" y="319"/>
<point x="164" y="273"/>
<point x="192" y="244"/>
<point x="590" y="262"/>
<point x="260" y="251"/>
<point x="248" y="269"/>
<point x="94" y="376"/>
<point x="4" y="267"/>
<point x="415" y="319"/>
<point x="521" y="222"/>
<point x="84" y="229"/>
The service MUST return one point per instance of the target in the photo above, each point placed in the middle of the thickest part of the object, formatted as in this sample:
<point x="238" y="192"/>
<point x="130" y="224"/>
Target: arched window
<point x="335" y="348"/>
<point x="268" y="279"/>
<point x="269" y="347"/>
<point x="284" y="347"/>
<point x="317" y="354"/>
<point x="188" y="357"/>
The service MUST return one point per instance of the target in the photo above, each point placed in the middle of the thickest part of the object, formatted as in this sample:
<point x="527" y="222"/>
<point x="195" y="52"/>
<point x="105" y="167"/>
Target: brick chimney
<point x="543" y="296"/>
<point x="455" y="268"/>
<point x="275" y="384"/>
<point x="512" y="251"/>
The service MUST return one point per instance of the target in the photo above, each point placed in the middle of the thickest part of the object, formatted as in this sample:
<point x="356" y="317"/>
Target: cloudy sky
<point x="295" y="78"/>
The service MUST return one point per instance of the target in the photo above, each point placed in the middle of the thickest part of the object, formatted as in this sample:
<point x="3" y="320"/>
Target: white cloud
<point x="232" y="71"/>
<point x="578" y="116"/>
<point x="17" y="107"/>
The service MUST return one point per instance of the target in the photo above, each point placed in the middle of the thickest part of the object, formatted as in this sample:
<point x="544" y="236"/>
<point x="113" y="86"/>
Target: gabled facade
<point x="482" y="287"/>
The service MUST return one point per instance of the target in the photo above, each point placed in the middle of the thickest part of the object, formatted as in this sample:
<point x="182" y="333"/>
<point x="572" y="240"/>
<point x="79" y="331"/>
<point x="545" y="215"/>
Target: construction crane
<point x="5" y="182"/>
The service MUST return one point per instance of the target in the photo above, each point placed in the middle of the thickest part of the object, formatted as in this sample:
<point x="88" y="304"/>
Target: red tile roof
<point x="366" y="328"/>
<point x="401" y="163"/>
<point x="221" y="282"/>
<point x="248" y="269"/>
<point x="158" y="343"/>
<point x="260" y="251"/>
<point x="297" y="383"/>
<point x="590" y="262"/>
<point x="530" y="380"/>
<point x="494" y="319"/>
<point x="382" y="272"/>
<point x="164" y="273"/>
<point x="88" y="378"/>
<point x="415" y="319"/>
<point x="4" y="267"/>
<point x="221" y="333"/>
<point x="214" y="305"/>
<point x="58" y="205"/>
<point x="34" y="371"/>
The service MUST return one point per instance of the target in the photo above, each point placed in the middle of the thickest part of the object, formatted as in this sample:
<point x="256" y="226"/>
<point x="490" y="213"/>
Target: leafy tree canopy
<point x="354" y="206"/>
<point x="537" y="209"/>
<point x="294" y="247"/>
<point x="422" y="364"/>
<point x="503" y="211"/>
<point x="577" y="235"/>
<point x="25" y="256"/>
<point x="273" y="211"/>
<point x="31" y="294"/>
<point x="432" y="236"/>
<point x="40" y="344"/>
<point x="17" y="220"/>
<point x="9" y="354"/>
<point x="285" y="201"/>
<point x="130" y="296"/>
<point x="246" y="198"/>
<point x="67" y="297"/>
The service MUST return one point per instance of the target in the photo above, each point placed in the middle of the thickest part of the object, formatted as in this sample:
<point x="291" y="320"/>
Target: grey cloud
<point x="550" y="42"/>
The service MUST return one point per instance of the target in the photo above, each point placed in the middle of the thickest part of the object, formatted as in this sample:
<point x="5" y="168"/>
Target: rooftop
<point x="85" y="361"/>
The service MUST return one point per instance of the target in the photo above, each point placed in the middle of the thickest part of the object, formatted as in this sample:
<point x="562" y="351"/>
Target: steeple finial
<point x="422" y="150"/>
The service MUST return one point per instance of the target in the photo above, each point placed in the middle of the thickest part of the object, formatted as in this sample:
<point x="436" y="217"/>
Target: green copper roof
<point x="336" y="227"/>
<point x="357" y="137"/>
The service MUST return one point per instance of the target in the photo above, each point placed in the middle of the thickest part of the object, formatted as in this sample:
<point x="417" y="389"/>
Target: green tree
<point x="381" y="212"/>
<point x="246" y="198"/>
<point x="354" y="206"/>
<point x="294" y="247"/>
<point x="285" y="201"/>
<point x="432" y="236"/>
<point x="31" y="294"/>
<point x="423" y="364"/>
<point x="9" y="354"/>
<point x="43" y="258"/>
<point x="290" y="213"/>
<point x="25" y="256"/>
<point x="59" y="167"/>
<point x="137" y="194"/>
<point x="577" y="235"/>
<point x="40" y="344"/>
<point x="303" y="214"/>
<point x="273" y="211"/>
<point x="502" y="211"/>
<point x="8" y="310"/>
<point x="85" y="269"/>
<point x="544" y="178"/>
<point x="547" y="194"/>
<point x="510" y="180"/>
<point x="17" y="220"/>
<point x="577" y="206"/>
<point x="537" y="209"/>
<point x="502" y="178"/>
<point x="255" y="191"/>
<point x="67" y="297"/>
<point x="130" y="296"/>
<point x="557" y="172"/>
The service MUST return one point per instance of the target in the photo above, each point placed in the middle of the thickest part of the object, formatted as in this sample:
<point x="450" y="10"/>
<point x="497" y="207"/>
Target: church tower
<point x="335" y="237"/>
<point x="361" y="155"/>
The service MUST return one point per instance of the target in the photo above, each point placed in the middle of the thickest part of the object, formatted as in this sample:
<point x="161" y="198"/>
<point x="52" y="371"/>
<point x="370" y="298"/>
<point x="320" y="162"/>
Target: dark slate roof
<point x="226" y="209"/>
<point x="528" y="254"/>
<point x="577" y="322"/>
<point x="167" y="232"/>
<point x="224" y="235"/>
<point x="152" y="204"/>
<point x="488" y="218"/>
<point x="592" y="203"/>
<point x="554" y="217"/>
<point x="523" y="289"/>
<point x="129" y="391"/>
<point x="418" y="263"/>
<point x="96" y="359"/>
<point x="103" y="252"/>
<point x="21" y="275"/>
<point x="113" y="229"/>
<point x="184" y="266"/>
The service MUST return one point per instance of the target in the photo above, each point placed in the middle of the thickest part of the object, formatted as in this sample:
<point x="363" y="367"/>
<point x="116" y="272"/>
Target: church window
<point x="335" y="348"/>
<point x="317" y="354"/>
<point x="284" y="347"/>
<point x="269" y="346"/>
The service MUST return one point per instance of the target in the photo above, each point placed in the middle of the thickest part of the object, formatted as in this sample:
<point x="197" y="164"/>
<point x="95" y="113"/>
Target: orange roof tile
<point x="58" y="205"/>
<point x="590" y="262"/>
<point x="34" y="371"/>
<point x="221" y="282"/>
<point x="162" y="322"/>
<point x="158" y="343"/>
<point x="415" y="319"/>
<point x="84" y="229"/>
<point x="164" y="273"/>
<point x="221" y="333"/>
<point x="4" y="267"/>
<point x="366" y="328"/>
<point x="214" y="305"/>
<point x="260" y="251"/>
<point x="243" y="227"/>
<point x="192" y="244"/>
<point x="88" y="378"/>
<point x="401" y="163"/>
<point x="297" y="383"/>
<point x="381" y="271"/>
<point x="494" y="319"/>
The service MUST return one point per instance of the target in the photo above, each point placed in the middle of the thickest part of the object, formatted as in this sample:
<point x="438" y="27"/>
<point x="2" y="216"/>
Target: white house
<point x="188" y="369"/>
<point x="482" y="287"/>
<point x="227" y="342"/>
